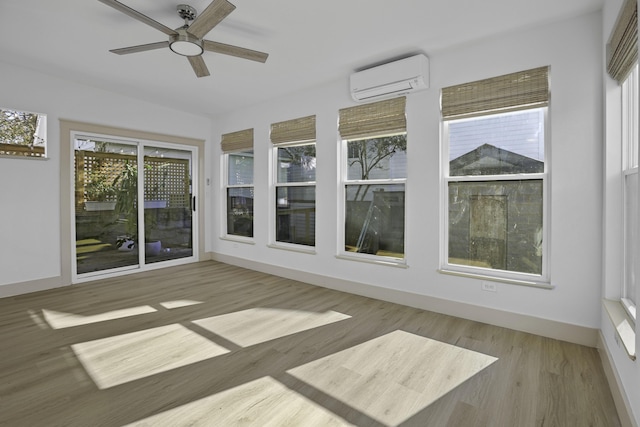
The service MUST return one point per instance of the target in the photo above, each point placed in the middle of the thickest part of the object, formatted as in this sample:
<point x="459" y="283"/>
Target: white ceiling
<point x="309" y="43"/>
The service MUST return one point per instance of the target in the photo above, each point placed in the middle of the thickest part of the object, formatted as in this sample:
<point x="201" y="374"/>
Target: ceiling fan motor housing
<point x="185" y="44"/>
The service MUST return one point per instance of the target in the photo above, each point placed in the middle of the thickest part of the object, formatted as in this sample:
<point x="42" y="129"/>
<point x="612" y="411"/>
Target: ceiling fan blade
<point x="139" y="16"/>
<point x="210" y="17"/>
<point x="240" y="52"/>
<point x="140" y="48"/>
<point x="198" y="65"/>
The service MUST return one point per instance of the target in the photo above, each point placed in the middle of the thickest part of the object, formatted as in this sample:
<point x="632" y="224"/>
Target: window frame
<point x="275" y="184"/>
<point x="630" y="106"/>
<point x="342" y="253"/>
<point x="225" y="158"/>
<point x="541" y="280"/>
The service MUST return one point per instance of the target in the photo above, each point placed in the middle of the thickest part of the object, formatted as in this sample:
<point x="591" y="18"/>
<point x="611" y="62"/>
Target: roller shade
<point x="302" y="129"/>
<point x="622" y="49"/>
<point x="510" y="92"/>
<point x="378" y="118"/>
<point x="237" y="141"/>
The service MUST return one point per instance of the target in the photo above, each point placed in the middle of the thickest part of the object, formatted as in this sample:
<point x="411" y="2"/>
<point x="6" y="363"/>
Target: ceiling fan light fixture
<point x="185" y="44"/>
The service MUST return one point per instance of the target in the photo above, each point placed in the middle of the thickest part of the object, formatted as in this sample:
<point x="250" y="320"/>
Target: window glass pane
<point x="240" y="168"/>
<point x="22" y="134"/>
<point x="632" y="237"/>
<point x="374" y="219"/>
<point x="106" y="212"/>
<point x="496" y="224"/>
<point x="630" y="110"/>
<point x="377" y="158"/>
<point x="297" y="164"/>
<point x="240" y="211"/>
<point x="296" y="215"/>
<point x="498" y="144"/>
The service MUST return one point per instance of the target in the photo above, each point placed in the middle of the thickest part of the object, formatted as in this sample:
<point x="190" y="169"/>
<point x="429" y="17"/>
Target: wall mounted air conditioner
<point x="395" y="78"/>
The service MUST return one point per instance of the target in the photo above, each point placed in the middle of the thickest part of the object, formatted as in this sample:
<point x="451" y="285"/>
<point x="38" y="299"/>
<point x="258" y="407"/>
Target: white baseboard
<point x="13" y="289"/>
<point x="619" y="397"/>
<point x="520" y="322"/>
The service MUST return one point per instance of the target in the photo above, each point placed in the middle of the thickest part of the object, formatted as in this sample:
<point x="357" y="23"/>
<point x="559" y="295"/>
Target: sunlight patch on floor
<point x="128" y="357"/>
<point x="257" y="325"/>
<point x="170" y="305"/>
<point x="393" y="377"/>
<point x="60" y="319"/>
<point x="263" y="402"/>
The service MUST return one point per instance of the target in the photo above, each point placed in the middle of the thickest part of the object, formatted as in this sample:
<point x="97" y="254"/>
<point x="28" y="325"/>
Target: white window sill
<point x="533" y="284"/>
<point x="293" y="248"/>
<point x="238" y="239"/>
<point x="623" y="324"/>
<point x="391" y="262"/>
<point x="630" y="308"/>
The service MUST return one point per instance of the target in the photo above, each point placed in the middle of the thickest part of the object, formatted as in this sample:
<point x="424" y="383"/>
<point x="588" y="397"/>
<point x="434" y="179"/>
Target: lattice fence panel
<point x="165" y="180"/>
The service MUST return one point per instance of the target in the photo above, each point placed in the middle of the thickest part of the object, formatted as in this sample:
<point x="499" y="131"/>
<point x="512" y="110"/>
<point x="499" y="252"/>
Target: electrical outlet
<point x="489" y="287"/>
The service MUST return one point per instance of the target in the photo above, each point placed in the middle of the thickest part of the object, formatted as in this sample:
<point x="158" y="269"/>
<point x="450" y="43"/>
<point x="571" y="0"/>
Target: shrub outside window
<point x="22" y="134"/>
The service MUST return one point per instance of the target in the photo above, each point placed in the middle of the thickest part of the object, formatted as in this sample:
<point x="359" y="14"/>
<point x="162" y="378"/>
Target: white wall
<point x="30" y="189"/>
<point x="573" y="50"/>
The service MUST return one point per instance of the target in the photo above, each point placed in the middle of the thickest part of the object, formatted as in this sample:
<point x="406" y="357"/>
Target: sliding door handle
<point x="193" y="203"/>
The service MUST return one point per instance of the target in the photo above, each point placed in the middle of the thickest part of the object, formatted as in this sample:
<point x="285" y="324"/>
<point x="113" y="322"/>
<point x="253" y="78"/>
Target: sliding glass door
<point x="168" y="204"/>
<point x="113" y="231"/>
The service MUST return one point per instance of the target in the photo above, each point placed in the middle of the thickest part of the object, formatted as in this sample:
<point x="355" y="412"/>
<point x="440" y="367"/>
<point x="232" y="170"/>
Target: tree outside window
<point x="22" y="134"/>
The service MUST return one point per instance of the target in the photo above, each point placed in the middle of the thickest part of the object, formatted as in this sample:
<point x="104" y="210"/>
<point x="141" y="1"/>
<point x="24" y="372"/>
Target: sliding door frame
<point x="68" y="130"/>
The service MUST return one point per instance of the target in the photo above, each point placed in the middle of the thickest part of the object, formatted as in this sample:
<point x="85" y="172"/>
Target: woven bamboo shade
<point x="622" y="49"/>
<point x="296" y="130"/>
<point x="375" y="119"/>
<point x="237" y="141"/>
<point x="510" y="92"/>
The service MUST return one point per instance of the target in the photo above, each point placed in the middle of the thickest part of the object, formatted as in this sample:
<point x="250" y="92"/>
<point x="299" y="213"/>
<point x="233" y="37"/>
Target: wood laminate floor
<point x="210" y="344"/>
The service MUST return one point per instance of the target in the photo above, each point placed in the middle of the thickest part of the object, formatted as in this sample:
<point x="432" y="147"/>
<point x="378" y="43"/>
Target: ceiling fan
<point x="188" y="40"/>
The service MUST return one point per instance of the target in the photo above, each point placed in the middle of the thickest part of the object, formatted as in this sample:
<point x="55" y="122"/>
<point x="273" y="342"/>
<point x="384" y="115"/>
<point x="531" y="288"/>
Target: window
<point x="22" y="134"/>
<point x="374" y="179"/>
<point x="495" y="179"/>
<point x="295" y="181"/>
<point x="630" y="113"/>
<point x="238" y="180"/>
<point x="296" y="194"/>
